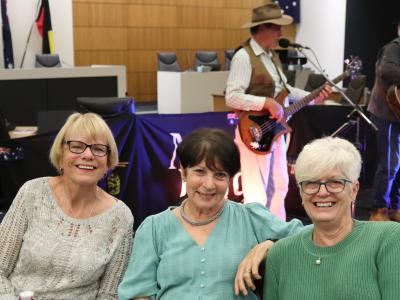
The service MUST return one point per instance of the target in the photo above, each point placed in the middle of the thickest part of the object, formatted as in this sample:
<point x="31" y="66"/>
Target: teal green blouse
<point x="166" y="263"/>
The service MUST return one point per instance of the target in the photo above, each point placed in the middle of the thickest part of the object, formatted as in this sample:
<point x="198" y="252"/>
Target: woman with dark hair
<point x="193" y="251"/>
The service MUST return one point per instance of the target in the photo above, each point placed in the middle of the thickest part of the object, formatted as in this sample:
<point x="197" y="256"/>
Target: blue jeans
<point x="386" y="187"/>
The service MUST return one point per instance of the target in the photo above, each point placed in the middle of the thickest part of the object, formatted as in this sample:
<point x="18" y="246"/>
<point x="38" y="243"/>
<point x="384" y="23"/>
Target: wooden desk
<point x="25" y="92"/>
<point x="219" y="103"/>
<point x="188" y="92"/>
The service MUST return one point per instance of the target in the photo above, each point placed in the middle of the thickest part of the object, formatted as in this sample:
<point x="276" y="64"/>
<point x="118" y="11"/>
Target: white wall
<point x="22" y="14"/>
<point x="322" y="28"/>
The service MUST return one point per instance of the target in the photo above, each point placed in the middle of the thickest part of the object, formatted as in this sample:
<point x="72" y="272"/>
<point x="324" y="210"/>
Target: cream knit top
<point x="58" y="257"/>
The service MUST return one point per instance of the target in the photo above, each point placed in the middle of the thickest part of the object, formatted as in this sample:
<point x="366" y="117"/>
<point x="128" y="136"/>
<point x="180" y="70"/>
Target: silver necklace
<point x="198" y="223"/>
<point x="318" y="260"/>
<point x="70" y="207"/>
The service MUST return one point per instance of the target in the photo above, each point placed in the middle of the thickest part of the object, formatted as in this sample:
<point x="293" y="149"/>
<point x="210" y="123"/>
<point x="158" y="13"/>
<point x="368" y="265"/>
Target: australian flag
<point x="7" y="42"/>
<point x="291" y="8"/>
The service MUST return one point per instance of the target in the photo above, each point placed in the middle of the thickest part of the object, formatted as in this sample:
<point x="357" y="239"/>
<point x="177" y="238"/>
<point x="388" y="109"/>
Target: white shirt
<point x="240" y="76"/>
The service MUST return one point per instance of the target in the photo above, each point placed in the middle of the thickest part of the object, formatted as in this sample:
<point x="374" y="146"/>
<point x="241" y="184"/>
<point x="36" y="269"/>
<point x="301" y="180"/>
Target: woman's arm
<point x="140" y="278"/>
<point x="266" y="227"/>
<point x="249" y="267"/>
<point x="116" y="267"/>
<point x="12" y="230"/>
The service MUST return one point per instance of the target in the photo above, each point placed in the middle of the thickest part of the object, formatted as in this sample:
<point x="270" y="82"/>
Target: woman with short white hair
<point x="339" y="257"/>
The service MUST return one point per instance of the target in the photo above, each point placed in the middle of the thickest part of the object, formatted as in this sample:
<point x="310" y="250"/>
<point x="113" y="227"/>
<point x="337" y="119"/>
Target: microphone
<point x="284" y="43"/>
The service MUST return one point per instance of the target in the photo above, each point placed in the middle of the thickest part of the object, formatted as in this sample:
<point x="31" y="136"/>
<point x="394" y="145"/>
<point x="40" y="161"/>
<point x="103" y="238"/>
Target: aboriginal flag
<point x="43" y="23"/>
<point x="7" y="42"/>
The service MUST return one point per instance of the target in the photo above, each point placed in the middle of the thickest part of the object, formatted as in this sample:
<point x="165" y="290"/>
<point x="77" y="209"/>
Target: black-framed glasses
<point x="333" y="186"/>
<point x="79" y="147"/>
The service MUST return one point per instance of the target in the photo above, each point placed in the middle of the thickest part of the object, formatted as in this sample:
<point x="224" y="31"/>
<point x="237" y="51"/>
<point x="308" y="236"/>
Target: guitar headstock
<point x="353" y="66"/>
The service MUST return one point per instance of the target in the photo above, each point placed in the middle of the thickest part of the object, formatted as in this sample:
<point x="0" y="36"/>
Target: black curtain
<point x="369" y="25"/>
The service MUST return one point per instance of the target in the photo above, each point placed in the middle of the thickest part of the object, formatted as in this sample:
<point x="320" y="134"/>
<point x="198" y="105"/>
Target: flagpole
<point x="30" y="32"/>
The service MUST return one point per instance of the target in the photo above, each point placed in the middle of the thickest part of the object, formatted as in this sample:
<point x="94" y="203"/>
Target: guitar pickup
<point x="255" y="133"/>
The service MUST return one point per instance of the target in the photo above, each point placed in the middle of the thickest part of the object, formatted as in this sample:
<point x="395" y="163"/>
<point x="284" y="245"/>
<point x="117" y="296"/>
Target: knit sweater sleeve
<point x="388" y="264"/>
<point x="12" y="230"/>
<point x="115" y="269"/>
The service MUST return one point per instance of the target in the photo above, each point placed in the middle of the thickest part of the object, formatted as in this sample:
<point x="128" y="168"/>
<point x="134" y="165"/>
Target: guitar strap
<point x="279" y="73"/>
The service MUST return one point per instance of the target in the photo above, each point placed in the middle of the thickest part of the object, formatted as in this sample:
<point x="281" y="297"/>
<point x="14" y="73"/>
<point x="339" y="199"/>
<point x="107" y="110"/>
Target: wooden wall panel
<point x="152" y="39"/>
<point x="100" y="15"/>
<point x="152" y="16"/>
<point x="131" y="32"/>
<point x="100" y="38"/>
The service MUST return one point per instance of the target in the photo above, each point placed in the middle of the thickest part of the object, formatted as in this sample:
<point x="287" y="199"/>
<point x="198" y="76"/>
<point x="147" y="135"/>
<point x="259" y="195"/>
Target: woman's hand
<point x="248" y="268"/>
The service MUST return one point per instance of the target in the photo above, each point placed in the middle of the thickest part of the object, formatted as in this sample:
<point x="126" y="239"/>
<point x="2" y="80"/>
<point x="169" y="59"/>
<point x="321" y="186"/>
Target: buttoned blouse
<point x="168" y="264"/>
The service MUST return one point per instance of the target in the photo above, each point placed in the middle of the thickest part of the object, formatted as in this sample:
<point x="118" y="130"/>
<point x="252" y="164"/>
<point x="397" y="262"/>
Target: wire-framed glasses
<point x="333" y="186"/>
<point x="79" y="147"/>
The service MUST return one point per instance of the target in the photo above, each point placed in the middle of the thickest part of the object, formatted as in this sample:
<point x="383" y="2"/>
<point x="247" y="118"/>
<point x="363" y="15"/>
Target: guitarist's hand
<point x="326" y="91"/>
<point x="274" y="108"/>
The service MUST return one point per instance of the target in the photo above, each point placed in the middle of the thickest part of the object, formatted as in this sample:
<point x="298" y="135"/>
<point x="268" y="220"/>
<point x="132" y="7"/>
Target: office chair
<point x="106" y="106"/>
<point x="290" y="76"/>
<point x="228" y="58"/>
<point x="168" y="61"/>
<point x="3" y="128"/>
<point x="355" y="89"/>
<point x="47" y="61"/>
<point x="207" y="58"/>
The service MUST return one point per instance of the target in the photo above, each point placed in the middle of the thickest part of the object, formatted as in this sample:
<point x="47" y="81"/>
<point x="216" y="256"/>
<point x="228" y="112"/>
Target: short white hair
<point x="327" y="154"/>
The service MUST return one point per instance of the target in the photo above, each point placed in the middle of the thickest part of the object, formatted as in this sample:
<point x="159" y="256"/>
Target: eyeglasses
<point x="333" y="186"/>
<point x="79" y="147"/>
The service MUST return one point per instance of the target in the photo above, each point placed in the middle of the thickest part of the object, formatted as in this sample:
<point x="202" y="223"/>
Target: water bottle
<point x="26" y="295"/>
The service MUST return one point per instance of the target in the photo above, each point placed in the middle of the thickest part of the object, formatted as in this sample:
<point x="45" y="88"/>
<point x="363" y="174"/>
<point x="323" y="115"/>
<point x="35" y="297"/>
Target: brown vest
<point x="261" y="82"/>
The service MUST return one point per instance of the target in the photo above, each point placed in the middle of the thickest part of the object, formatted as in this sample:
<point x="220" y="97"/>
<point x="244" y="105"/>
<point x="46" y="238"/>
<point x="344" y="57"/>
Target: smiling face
<point x="84" y="168"/>
<point x="333" y="208"/>
<point x="205" y="188"/>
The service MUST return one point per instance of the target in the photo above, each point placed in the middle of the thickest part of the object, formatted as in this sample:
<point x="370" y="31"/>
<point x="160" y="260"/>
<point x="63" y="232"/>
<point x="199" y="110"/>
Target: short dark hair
<point x="214" y="146"/>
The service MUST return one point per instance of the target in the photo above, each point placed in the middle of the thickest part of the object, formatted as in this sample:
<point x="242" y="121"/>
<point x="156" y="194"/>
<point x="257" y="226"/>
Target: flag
<point x="291" y="8"/>
<point x="7" y="42"/>
<point x="43" y="23"/>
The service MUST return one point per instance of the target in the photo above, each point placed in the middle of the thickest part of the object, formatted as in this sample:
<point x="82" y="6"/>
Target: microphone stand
<point x="356" y="107"/>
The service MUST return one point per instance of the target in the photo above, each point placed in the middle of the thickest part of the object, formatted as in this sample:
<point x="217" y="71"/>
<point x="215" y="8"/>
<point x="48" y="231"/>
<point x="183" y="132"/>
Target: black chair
<point x="106" y="106"/>
<point x="47" y="61"/>
<point x="3" y="128"/>
<point x="207" y="58"/>
<point x="314" y="81"/>
<point x="228" y="58"/>
<point x="168" y="61"/>
<point x="355" y="88"/>
<point x="290" y="76"/>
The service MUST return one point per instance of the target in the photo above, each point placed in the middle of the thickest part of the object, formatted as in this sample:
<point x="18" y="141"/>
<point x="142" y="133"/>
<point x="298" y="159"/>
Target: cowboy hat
<point x="269" y="13"/>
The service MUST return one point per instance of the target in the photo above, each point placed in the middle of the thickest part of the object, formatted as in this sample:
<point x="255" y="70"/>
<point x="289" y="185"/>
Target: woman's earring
<point x="61" y="171"/>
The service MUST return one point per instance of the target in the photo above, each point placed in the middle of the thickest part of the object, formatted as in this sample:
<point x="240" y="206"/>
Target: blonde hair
<point x="324" y="155"/>
<point x="90" y="125"/>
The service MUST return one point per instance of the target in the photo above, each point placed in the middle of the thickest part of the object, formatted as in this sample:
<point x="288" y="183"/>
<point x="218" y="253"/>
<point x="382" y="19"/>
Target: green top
<point x="168" y="264"/>
<point x="365" y="265"/>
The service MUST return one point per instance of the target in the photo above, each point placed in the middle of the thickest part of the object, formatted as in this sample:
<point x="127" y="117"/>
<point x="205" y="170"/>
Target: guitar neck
<point x="295" y="107"/>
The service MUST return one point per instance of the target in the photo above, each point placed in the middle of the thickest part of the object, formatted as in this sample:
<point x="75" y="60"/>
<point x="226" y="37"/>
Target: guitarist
<point x="255" y="79"/>
<point x="386" y="187"/>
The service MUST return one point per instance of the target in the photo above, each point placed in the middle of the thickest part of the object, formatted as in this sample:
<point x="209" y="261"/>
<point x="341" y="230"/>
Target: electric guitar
<point x="393" y="99"/>
<point x="259" y="132"/>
